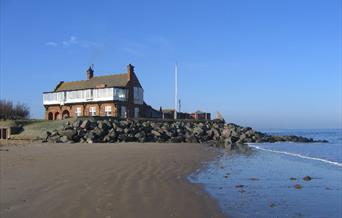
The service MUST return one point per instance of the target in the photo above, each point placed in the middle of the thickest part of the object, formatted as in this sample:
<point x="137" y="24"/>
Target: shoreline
<point x="265" y="183"/>
<point x="105" y="180"/>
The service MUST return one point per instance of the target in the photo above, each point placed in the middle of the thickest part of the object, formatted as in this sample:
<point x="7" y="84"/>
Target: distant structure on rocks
<point x="219" y="116"/>
<point x="117" y="95"/>
<point x="200" y="115"/>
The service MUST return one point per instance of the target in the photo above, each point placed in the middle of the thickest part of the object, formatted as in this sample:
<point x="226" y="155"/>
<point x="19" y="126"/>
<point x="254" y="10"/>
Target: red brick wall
<point x="57" y="111"/>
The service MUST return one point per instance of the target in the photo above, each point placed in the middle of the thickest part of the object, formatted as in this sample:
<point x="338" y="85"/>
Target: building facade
<point x="200" y="115"/>
<point x="118" y="95"/>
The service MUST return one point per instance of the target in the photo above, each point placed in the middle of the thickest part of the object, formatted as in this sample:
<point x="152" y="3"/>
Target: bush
<point x="10" y="111"/>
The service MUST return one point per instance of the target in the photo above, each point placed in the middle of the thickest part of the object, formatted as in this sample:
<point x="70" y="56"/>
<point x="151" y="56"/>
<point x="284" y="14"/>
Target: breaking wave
<point x="296" y="155"/>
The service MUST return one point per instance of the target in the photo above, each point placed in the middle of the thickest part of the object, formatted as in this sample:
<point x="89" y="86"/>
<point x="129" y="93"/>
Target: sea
<point x="269" y="182"/>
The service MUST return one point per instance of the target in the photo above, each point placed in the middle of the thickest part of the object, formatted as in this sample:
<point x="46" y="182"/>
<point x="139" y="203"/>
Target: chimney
<point x="130" y="71"/>
<point x="90" y="73"/>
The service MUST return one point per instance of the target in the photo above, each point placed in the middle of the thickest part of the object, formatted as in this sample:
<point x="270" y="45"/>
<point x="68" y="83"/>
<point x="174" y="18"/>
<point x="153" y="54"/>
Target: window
<point x="123" y="112"/>
<point x="78" y="112"/>
<point x="92" y="111"/>
<point x="103" y="93"/>
<point x="120" y="94"/>
<point x="138" y="95"/>
<point x="136" y="112"/>
<point x="55" y="96"/>
<point x="78" y="95"/>
<point x="108" y="111"/>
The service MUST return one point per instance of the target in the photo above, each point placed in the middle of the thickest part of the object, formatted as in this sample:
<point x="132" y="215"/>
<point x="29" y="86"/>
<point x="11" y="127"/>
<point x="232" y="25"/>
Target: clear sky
<point x="261" y="63"/>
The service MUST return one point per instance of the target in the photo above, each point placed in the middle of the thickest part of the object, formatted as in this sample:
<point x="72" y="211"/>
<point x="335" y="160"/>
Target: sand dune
<point x="103" y="180"/>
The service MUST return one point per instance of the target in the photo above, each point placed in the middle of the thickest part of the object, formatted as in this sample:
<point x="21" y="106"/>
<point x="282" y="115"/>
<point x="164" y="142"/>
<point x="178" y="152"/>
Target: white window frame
<point x="108" y="111"/>
<point x="92" y="111"/>
<point x="78" y="112"/>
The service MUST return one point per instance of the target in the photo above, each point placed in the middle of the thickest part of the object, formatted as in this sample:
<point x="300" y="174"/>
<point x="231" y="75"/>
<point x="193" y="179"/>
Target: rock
<point x="191" y="139"/>
<point x="102" y="125"/>
<point x="110" y="137"/>
<point x="155" y="133"/>
<point x="77" y="123"/>
<point x="99" y="133"/>
<point x="234" y="139"/>
<point x="140" y="135"/>
<point x="228" y="144"/>
<point x="69" y="133"/>
<point x="297" y="186"/>
<point x="64" y="139"/>
<point x="307" y="178"/>
<point x="67" y="125"/>
<point x="215" y="133"/>
<point x="178" y="139"/>
<point x="89" y="141"/>
<point x="243" y="148"/>
<point x="85" y="124"/>
<point x="242" y="137"/>
<point x="54" y="133"/>
<point x="242" y="190"/>
<point x="226" y="132"/>
<point x="272" y="205"/>
<point x="219" y="116"/>
<point x="198" y="131"/>
<point x="89" y="136"/>
<point x="254" y="179"/>
<point x="53" y="139"/>
<point x="45" y="135"/>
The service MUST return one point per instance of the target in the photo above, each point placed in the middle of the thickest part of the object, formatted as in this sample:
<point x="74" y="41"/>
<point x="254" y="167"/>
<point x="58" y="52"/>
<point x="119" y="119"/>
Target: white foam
<point x="296" y="155"/>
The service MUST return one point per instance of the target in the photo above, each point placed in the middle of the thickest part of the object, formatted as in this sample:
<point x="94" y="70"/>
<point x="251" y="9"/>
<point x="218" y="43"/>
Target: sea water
<point x="269" y="181"/>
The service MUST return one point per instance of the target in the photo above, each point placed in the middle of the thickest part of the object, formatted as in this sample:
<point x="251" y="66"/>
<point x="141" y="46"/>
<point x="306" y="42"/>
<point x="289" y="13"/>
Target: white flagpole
<point x="176" y="90"/>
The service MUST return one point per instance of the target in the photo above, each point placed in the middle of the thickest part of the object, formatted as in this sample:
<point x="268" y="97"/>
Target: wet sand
<point x="103" y="180"/>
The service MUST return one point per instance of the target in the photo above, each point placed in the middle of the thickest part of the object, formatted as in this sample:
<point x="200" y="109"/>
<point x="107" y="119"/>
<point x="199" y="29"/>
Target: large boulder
<point x="69" y="133"/>
<point x="85" y="124"/>
<point x="45" y="135"/>
<point x="155" y="133"/>
<point x="77" y="123"/>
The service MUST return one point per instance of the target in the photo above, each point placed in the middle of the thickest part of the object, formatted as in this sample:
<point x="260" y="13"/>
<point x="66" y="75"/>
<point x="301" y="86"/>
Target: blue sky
<point x="261" y="63"/>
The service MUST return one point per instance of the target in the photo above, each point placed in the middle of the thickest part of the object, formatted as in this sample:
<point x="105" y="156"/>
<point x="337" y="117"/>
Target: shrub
<point x="10" y="111"/>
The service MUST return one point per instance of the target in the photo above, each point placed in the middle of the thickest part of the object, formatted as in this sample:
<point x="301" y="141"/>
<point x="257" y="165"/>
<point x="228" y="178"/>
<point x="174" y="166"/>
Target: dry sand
<point x="103" y="180"/>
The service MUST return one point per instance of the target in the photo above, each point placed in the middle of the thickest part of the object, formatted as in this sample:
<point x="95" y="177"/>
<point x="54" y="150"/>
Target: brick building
<point x="118" y="95"/>
<point x="200" y="115"/>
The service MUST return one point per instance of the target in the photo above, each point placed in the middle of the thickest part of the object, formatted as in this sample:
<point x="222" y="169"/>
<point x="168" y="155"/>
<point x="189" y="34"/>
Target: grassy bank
<point x="31" y="129"/>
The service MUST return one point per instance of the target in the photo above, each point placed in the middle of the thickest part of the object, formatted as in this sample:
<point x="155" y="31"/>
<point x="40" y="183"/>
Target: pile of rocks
<point x="216" y="132"/>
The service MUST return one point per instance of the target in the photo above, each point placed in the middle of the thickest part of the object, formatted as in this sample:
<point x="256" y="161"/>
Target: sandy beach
<point x="103" y="180"/>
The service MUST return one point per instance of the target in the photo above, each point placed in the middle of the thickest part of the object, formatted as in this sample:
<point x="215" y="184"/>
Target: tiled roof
<point x="116" y="80"/>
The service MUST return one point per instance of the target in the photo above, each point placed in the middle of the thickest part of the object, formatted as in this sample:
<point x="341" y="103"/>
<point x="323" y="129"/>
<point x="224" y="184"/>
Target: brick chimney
<point x="90" y="73"/>
<point x="130" y="71"/>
